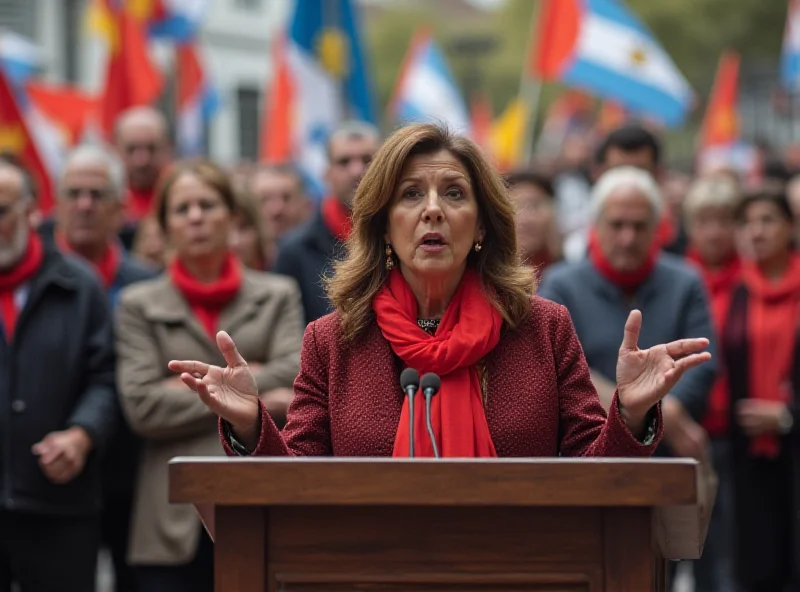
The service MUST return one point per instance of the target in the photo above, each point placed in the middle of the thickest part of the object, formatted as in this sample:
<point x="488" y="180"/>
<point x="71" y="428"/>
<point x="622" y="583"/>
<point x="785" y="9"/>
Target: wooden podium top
<point x="673" y="488"/>
<point x="273" y="481"/>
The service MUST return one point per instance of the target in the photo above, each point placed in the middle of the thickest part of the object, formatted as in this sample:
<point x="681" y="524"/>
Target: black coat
<point x="57" y="373"/>
<point x="766" y="492"/>
<point x="307" y="254"/>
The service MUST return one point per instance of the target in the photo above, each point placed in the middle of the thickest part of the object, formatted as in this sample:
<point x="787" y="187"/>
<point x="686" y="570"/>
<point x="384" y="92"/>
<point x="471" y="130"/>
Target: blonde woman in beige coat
<point x="204" y="289"/>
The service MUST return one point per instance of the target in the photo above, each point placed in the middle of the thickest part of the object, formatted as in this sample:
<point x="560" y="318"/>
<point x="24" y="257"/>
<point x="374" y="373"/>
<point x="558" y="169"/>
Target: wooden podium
<point x="427" y="525"/>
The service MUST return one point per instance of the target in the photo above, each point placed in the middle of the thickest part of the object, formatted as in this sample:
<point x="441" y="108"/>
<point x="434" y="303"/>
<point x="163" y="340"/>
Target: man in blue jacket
<point x="57" y="404"/>
<point x="626" y="270"/>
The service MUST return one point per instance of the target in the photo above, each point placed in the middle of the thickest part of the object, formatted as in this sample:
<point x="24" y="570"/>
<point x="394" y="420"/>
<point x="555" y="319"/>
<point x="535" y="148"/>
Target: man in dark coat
<point x="57" y="404"/>
<point x="307" y="253"/>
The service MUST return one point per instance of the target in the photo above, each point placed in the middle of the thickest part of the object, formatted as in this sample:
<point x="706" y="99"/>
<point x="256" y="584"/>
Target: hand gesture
<point x="229" y="392"/>
<point x="62" y="455"/>
<point x="757" y="417"/>
<point x="645" y="376"/>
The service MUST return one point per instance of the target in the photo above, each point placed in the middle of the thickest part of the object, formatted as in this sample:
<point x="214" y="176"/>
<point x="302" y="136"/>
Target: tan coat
<point x="156" y="325"/>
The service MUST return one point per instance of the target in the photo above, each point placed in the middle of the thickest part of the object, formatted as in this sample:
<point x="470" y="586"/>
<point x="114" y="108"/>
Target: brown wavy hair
<point x="359" y="276"/>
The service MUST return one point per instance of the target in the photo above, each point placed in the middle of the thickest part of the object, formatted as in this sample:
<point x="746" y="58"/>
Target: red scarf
<point x="772" y="324"/>
<point x="469" y="330"/>
<point x="208" y="300"/>
<point x="12" y="279"/>
<point x="720" y="283"/>
<point x="628" y="281"/>
<point x="337" y="218"/>
<point x="106" y="267"/>
<point x="140" y="203"/>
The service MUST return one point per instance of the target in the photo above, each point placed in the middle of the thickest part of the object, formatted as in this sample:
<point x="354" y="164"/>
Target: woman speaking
<point x="432" y="281"/>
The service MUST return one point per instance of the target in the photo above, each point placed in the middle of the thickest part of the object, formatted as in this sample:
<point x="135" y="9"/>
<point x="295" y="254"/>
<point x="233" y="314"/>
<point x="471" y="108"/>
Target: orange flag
<point x="275" y="142"/>
<point x="558" y="29"/>
<point x="17" y="140"/>
<point x="66" y="106"/>
<point x="131" y="77"/>
<point x="481" y="120"/>
<point x="721" y="123"/>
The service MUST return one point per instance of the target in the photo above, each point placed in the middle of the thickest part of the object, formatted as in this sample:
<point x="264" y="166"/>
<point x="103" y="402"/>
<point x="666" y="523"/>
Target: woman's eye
<point x="412" y="193"/>
<point x="454" y="192"/>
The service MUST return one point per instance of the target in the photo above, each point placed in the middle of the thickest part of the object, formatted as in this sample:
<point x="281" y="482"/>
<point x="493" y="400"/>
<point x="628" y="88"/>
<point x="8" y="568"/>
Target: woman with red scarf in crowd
<point x="762" y="360"/>
<point x="205" y="289"/>
<point x="432" y="281"/>
<point x="709" y="212"/>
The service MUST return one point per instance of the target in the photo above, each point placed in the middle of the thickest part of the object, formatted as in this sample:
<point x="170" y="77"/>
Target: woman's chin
<point x="435" y="268"/>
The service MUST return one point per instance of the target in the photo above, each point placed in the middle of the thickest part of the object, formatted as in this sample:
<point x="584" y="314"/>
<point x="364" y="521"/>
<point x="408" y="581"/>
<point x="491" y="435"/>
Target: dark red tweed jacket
<point x="540" y="400"/>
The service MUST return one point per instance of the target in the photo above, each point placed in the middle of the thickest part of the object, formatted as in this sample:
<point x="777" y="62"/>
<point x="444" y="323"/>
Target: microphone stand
<point x="429" y="392"/>
<point x="411" y="396"/>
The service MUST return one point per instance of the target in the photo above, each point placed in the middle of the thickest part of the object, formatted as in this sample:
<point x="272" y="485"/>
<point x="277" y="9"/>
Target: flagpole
<point x="530" y="87"/>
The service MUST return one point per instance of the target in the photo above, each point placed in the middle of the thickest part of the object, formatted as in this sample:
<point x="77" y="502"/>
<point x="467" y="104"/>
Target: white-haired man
<point x="58" y="409"/>
<point x="626" y="270"/>
<point x="90" y="210"/>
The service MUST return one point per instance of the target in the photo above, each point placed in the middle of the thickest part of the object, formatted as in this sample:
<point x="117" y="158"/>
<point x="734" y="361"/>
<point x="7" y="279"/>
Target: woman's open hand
<point x="645" y="376"/>
<point x="229" y="392"/>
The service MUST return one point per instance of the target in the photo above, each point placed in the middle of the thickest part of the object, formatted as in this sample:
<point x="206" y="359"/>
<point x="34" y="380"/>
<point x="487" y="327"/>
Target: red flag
<point x="481" y="120"/>
<point x="721" y="123"/>
<point x="275" y="142"/>
<point x="16" y="139"/>
<point x="131" y="78"/>
<point x="66" y="106"/>
<point x="558" y="27"/>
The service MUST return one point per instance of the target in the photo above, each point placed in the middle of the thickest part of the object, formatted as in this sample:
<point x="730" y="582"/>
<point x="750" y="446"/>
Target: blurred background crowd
<point x="170" y="167"/>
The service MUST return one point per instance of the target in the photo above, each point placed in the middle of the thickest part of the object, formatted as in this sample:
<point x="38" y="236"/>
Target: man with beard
<point x="307" y="253"/>
<point x="57" y="403"/>
<point x="89" y="213"/>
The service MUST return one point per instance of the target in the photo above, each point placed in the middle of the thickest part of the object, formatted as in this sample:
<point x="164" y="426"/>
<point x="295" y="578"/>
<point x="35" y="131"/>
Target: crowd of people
<point x="146" y="257"/>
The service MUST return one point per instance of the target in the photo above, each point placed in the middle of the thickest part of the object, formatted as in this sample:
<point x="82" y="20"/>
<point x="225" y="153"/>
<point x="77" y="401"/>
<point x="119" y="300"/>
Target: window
<point x="73" y="19"/>
<point x="248" y="104"/>
<point x="19" y="16"/>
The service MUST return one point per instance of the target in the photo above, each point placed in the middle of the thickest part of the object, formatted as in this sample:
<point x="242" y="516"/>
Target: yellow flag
<point x="99" y="21"/>
<point x="508" y="133"/>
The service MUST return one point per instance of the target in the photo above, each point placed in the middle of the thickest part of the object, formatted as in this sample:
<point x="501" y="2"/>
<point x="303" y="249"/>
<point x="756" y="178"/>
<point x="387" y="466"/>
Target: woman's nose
<point x="433" y="206"/>
<point x="195" y="213"/>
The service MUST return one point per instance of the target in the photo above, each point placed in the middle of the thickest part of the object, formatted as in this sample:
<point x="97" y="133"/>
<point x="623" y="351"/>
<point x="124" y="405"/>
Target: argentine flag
<point x="426" y="90"/>
<point x="20" y="58"/>
<point x="329" y="81"/>
<point x="790" y="58"/>
<point x="600" y="46"/>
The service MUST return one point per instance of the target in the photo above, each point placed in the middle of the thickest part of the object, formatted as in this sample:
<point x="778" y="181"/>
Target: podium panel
<point x="538" y="525"/>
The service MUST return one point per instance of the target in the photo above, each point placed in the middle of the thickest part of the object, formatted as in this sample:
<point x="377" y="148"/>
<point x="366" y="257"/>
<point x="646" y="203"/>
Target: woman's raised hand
<point x="645" y="376"/>
<point x="229" y="392"/>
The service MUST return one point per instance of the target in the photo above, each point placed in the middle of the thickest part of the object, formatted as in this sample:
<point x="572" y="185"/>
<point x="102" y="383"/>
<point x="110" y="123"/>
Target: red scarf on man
<point x="720" y="283"/>
<point x="106" y="267"/>
<point x="208" y="300"/>
<point x="628" y="281"/>
<point x="12" y="279"/>
<point x="772" y="318"/>
<point x="469" y="330"/>
<point x="337" y="217"/>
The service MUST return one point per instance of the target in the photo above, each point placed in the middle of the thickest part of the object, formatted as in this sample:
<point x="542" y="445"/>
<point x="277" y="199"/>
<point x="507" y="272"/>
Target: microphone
<point x="430" y="384"/>
<point x="409" y="380"/>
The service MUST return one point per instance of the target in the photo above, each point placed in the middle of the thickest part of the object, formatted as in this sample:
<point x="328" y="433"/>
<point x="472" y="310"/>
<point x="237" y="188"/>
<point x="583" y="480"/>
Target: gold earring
<point x="478" y="246"/>
<point x="389" y="259"/>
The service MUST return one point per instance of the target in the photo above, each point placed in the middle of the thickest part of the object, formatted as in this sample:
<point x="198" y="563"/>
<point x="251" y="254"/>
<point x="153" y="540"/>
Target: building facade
<point x="234" y="42"/>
